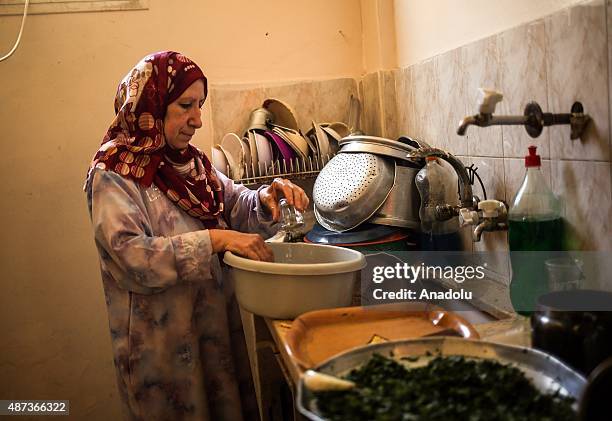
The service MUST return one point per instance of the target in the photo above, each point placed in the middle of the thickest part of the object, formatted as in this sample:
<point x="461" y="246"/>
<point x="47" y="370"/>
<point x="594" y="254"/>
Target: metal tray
<point x="546" y="372"/>
<point x="318" y="335"/>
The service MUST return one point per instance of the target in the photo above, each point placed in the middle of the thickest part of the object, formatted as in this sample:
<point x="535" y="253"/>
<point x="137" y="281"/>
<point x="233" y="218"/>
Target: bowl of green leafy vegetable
<point x="445" y="378"/>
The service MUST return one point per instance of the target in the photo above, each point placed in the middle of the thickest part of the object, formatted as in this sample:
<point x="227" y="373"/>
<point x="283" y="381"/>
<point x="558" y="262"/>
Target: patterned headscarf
<point x="135" y="147"/>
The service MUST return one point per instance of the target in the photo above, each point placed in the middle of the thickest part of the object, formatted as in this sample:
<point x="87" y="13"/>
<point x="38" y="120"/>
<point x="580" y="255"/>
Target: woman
<point x="161" y="214"/>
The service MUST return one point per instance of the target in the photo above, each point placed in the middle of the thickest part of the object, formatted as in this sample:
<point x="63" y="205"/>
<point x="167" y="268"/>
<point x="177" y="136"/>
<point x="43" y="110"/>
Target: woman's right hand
<point x="251" y="246"/>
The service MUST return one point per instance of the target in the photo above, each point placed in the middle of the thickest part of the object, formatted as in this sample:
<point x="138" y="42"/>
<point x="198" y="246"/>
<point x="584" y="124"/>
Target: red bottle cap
<point x="532" y="160"/>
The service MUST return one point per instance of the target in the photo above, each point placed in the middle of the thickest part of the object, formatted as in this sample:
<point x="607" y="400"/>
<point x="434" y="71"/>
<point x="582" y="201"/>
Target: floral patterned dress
<point x="177" y="337"/>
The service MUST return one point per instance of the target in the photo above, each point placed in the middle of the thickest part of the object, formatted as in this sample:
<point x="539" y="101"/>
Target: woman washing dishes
<point x="161" y="213"/>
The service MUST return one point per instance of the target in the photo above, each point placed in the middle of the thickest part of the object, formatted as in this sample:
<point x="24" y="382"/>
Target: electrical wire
<point x="23" y="19"/>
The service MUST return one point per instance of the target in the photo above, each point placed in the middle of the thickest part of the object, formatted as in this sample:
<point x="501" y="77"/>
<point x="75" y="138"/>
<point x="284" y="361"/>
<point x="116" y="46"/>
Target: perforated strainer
<point x="351" y="188"/>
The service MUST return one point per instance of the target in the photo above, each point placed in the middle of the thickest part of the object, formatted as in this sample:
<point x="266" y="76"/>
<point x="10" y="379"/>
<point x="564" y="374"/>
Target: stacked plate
<point x="274" y="144"/>
<point x="232" y="156"/>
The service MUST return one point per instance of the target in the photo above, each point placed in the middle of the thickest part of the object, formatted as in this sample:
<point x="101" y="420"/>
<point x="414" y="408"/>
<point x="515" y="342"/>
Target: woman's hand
<point x="251" y="246"/>
<point x="278" y="189"/>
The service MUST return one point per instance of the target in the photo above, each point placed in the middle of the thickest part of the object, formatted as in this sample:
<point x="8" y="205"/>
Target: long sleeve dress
<point x="177" y="337"/>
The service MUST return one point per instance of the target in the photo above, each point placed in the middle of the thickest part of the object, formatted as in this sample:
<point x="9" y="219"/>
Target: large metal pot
<point x="401" y="208"/>
<point x="348" y="192"/>
<point x="548" y="374"/>
<point x="351" y="188"/>
<point x="397" y="149"/>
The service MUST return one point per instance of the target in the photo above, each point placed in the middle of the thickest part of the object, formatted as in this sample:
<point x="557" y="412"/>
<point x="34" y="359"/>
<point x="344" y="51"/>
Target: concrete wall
<point x="426" y="28"/>
<point x="56" y="102"/>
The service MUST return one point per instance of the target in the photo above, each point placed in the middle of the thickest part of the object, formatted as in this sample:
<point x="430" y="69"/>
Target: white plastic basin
<point x="303" y="277"/>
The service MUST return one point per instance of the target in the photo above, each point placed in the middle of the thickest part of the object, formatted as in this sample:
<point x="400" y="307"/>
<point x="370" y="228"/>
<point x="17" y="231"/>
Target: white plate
<point x="264" y="151"/>
<point x="340" y="128"/>
<point x="247" y="152"/>
<point x="233" y="148"/>
<point x="295" y="140"/>
<point x="322" y="141"/>
<point x="333" y="139"/>
<point x="232" y="164"/>
<point x="253" y="152"/>
<point x="283" y="113"/>
<point x="219" y="159"/>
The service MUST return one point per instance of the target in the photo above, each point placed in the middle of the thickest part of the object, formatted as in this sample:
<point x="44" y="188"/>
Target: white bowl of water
<point x="302" y="278"/>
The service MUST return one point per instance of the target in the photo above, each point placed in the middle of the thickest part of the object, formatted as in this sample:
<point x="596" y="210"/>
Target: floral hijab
<point x="135" y="147"/>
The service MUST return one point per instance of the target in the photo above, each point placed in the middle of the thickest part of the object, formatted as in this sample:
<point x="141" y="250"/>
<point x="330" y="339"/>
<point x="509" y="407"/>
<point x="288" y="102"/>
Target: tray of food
<point x="318" y="335"/>
<point x="444" y="378"/>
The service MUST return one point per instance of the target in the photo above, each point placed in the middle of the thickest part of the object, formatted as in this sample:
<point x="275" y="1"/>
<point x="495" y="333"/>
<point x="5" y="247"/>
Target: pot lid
<point x="406" y="146"/>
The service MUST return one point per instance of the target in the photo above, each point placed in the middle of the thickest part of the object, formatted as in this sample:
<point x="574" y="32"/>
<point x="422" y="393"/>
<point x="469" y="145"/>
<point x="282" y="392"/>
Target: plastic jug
<point x="535" y="234"/>
<point x="437" y="186"/>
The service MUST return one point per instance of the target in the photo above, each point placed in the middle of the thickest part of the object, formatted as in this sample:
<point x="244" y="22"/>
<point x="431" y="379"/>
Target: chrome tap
<point x="492" y="215"/>
<point x="533" y="118"/>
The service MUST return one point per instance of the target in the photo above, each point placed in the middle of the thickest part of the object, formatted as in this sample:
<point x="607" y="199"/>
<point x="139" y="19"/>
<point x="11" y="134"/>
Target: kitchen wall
<point x="379" y="35"/>
<point x="554" y="60"/>
<point x="425" y="28"/>
<point x="57" y="95"/>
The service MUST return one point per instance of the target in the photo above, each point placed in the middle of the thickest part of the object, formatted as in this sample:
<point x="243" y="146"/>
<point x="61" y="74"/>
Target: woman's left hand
<point x="278" y="189"/>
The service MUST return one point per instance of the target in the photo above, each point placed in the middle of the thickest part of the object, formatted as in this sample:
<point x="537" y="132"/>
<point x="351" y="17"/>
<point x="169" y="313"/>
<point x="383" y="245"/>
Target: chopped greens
<point x="448" y="388"/>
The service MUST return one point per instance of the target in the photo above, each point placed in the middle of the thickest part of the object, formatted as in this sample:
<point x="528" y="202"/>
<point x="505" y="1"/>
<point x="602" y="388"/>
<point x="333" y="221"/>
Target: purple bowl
<point x="286" y="151"/>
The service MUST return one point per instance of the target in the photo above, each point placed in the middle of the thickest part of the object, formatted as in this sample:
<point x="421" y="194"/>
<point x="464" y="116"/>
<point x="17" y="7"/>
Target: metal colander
<point x="351" y="188"/>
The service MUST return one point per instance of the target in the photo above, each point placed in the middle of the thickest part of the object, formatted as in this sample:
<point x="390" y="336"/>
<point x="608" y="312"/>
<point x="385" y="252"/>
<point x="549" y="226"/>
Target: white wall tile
<point x="406" y="124"/>
<point x="426" y="115"/>
<point x="332" y="99"/>
<point x="586" y="194"/>
<point x="231" y="107"/>
<point x="523" y="79"/>
<point x="388" y="103"/>
<point x="576" y="67"/>
<point x="482" y="65"/>
<point x="371" y="105"/>
<point x="450" y="76"/>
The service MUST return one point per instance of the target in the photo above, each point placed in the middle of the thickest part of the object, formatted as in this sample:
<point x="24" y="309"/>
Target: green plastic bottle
<point x="535" y="234"/>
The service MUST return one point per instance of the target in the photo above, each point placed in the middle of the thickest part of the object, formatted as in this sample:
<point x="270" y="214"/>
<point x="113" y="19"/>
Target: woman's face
<point x="183" y="116"/>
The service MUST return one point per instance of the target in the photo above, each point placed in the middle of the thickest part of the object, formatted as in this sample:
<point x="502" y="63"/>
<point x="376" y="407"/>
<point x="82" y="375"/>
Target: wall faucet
<point x="492" y="215"/>
<point x="533" y="118"/>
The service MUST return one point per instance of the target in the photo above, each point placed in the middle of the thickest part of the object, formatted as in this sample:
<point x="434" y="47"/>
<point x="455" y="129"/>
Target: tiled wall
<point x="321" y="101"/>
<point x="555" y="61"/>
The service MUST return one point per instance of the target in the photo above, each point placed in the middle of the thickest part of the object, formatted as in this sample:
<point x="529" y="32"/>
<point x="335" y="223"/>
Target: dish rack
<point x="297" y="168"/>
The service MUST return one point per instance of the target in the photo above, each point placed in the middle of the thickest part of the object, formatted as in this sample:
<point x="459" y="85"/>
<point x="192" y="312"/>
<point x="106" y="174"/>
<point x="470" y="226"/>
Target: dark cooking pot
<point x="564" y="326"/>
<point x="595" y="404"/>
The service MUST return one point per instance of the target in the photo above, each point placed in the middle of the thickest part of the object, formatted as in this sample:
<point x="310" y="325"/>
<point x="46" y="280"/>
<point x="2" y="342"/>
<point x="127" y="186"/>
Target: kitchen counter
<point x="513" y="331"/>
<point x="274" y="366"/>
